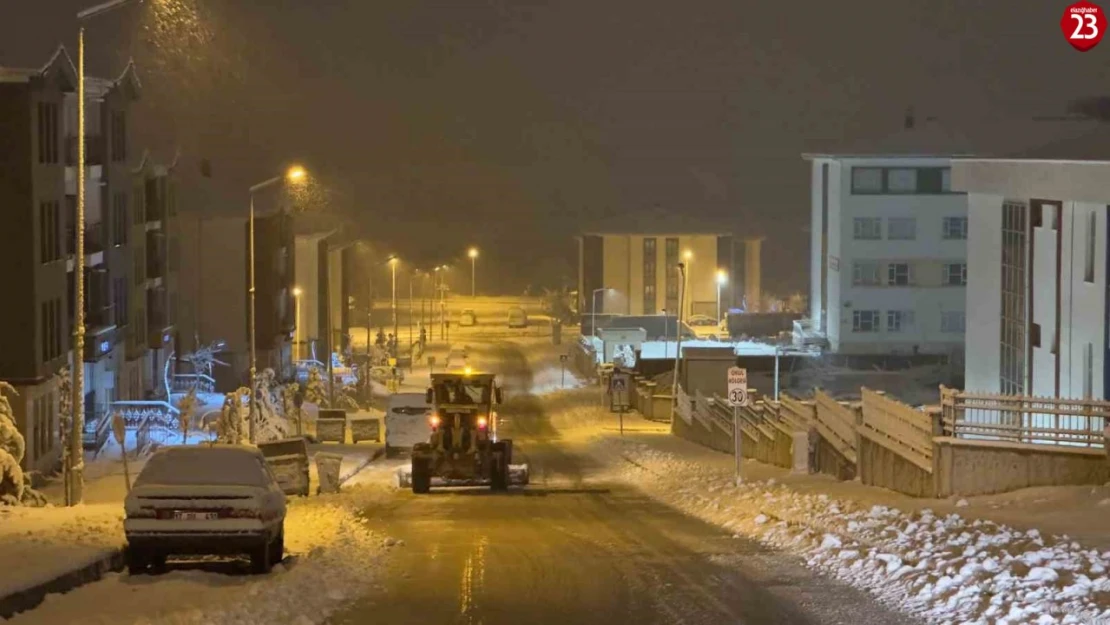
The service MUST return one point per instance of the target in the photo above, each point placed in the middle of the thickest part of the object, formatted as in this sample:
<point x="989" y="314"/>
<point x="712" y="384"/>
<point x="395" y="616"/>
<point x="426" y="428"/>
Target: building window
<point x="1012" y="342"/>
<point x="650" y="277"/>
<point x="867" y="228"/>
<point x="1088" y="371"/>
<point x="1089" y="259"/>
<point x="865" y="321"/>
<point x="902" y="180"/>
<point x="898" y="274"/>
<point x="899" y="320"/>
<point x="901" y="228"/>
<point x="867" y="180"/>
<point x="954" y="228"/>
<point x="119" y="137"/>
<point x="48" y="133"/>
<point x="120" y="224"/>
<point x="671" y="258"/>
<point x="952" y="321"/>
<point x="955" y="274"/>
<point x="865" y="273"/>
<point x="50" y="243"/>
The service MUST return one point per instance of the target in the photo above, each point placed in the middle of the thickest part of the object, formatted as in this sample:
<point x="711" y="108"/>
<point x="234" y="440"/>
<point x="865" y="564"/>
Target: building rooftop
<point x="1055" y="138"/>
<point x="58" y="65"/>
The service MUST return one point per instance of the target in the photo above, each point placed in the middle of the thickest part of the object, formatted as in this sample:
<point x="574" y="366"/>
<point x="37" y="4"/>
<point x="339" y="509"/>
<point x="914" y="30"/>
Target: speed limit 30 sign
<point x="737" y="386"/>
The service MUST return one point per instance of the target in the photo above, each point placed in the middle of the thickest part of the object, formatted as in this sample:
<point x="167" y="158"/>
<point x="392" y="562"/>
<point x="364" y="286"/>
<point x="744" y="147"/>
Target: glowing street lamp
<point x="473" y="254"/>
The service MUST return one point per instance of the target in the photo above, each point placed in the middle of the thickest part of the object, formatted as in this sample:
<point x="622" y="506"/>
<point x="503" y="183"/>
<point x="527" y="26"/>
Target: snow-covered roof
<point x="1057" y="138"/>
<point x="218" y="465"/>
<point x="59" y="65"/>
<point x="127" y="82"/>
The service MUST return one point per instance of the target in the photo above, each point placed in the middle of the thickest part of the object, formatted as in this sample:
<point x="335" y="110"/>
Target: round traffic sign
<point x="738" y="396"/>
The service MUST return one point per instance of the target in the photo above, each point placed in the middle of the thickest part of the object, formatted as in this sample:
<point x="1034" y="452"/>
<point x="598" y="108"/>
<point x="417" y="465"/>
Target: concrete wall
<point x="879" y="466"/>
<point x="1083" y="304"/>
<point x="964" y="467"/>
<point x="984" y="293"/>
<point x="623" y="273"/>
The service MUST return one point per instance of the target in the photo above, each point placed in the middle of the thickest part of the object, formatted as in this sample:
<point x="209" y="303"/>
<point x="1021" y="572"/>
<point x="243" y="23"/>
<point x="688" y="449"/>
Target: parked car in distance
<point x="468" y="318"/>
<point x="707" y="328"/>
<point x="517" y="317"/>
<point x="205" y="500"/>
<point x="406" y="423"/>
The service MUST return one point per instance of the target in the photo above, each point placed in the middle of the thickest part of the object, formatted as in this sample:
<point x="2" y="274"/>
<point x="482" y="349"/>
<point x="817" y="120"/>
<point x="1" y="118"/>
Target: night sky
<point x="514" y="125"/>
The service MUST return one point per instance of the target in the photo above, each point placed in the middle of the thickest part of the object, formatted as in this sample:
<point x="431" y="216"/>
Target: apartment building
<point x="888" y="270"/>
<point x="322" y="280"/>
<point x="1038" y="267"/>
<point x="214" y="283"/>
<point x="637" y="273"/>
<point x="34" y="333"/>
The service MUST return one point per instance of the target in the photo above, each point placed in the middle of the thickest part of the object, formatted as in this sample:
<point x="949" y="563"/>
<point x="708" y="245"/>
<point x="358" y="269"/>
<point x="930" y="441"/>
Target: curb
<point x="30" y="598"/>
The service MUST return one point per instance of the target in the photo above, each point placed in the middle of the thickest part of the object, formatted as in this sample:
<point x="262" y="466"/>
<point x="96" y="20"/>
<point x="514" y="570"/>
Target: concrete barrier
<point x="981" y="467"/>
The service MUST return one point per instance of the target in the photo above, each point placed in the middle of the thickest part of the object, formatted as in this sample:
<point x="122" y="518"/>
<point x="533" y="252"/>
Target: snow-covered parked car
<point x="205" y="500"/>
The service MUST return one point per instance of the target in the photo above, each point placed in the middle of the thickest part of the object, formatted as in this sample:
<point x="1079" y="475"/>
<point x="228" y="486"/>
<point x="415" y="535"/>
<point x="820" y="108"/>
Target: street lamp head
<point x="473" y="253"/>
<point x="296" y="174"/>
<point x="688" y="255"/>
<point x="393" y="260"/>
<point x="297" y="291"/>
<point x="722" y="277"/>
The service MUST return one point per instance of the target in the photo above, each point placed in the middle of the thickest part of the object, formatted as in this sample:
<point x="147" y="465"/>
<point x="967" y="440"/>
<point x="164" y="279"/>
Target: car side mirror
<point x="498" y="395"/>
<point x="428" y="396"/>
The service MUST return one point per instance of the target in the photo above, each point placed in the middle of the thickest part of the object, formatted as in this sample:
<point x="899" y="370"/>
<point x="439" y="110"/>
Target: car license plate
<point x="181" y="515"/>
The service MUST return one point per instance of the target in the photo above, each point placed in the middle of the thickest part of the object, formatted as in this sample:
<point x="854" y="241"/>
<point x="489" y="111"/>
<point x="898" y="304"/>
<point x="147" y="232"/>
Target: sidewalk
<point x="1031" y="556"/>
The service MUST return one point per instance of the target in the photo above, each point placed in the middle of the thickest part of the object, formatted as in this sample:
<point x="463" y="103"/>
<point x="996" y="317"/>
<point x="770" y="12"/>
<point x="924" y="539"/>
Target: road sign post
<point x="737" y="397"/>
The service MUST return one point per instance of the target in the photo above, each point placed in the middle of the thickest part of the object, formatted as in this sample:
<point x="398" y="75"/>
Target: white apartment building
<point x="888" y="247"/>
<point x="1037" y="272"/>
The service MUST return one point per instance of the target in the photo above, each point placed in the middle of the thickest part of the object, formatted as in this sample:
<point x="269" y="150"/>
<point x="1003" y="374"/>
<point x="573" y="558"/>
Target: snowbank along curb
<point x="30" y="598"/>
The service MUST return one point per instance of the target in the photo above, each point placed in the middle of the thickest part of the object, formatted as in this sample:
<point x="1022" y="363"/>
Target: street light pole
<point x="76" y="452"/>
<point x="678" y="339"/>
<point x="393" y="264"/>
<point x="473" y="254"/>
<point x="593" y="310"/>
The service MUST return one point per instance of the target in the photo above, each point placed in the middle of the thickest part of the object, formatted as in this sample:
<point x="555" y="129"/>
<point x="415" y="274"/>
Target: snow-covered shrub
<point x="272" y="424"/>
<point x="186" y="405"/>
<point x="15" y="486"/>
<point x="232" y="427"/>
<point x="315" y="392"/>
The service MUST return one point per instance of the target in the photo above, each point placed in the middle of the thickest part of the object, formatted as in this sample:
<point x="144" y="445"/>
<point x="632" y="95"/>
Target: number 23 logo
<point x="1083" y="25"/>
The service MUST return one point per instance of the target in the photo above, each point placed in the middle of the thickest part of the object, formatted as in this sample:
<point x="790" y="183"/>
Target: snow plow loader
<point x="463" y="448"/>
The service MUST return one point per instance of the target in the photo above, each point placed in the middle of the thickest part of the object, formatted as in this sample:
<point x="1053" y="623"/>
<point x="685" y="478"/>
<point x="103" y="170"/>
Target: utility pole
<point x="410" y="320"/>
<point x="678" y="342"/>
<point x="369" y="311"/>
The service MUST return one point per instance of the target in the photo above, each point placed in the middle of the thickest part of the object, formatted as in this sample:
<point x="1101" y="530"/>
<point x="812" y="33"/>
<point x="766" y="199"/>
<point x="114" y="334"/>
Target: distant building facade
<point x="888" y="250"/>
<point x="1038" y="267"/>
<point x="637" y="273"/>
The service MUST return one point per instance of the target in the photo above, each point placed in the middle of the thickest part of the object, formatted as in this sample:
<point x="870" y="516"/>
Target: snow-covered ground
<point x="332" y="556"/>
<point x="946" y="568"/>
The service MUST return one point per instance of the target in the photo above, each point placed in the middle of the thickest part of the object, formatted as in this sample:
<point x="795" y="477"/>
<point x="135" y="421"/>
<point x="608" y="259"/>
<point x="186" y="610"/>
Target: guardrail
<point x="1024" y="419"/>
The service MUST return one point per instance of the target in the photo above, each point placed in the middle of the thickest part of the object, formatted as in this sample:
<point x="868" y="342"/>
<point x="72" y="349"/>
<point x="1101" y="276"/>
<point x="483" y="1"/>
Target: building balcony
<point x="95" y="151"/>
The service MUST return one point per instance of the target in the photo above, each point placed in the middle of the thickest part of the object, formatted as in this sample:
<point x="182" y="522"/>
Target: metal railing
<point x="185" y="382"/>
<point x="1024" y="419"/>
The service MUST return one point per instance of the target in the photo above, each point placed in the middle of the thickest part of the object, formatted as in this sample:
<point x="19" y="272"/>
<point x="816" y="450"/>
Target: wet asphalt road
<point x="568" y="550"/>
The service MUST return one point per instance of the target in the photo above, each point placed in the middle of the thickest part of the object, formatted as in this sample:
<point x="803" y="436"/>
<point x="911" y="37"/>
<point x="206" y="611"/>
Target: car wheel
<point x="136" y="562"/>
<point x="278" y="547"/>
<point x="261" y="561"/>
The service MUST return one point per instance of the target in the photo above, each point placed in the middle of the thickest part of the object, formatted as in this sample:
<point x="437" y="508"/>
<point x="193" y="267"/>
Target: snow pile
<point x="942" y="568"/>
<point x="553" y="379"/>
<point x="331" y="559"/>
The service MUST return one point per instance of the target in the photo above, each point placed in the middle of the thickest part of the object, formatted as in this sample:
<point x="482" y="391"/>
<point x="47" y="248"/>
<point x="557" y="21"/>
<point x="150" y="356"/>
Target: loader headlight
<point x="434" y="421"/>
<point x="482" y="423"/>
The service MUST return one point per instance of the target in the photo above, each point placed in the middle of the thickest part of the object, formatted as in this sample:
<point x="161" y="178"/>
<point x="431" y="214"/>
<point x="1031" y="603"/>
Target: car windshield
<point x="204" y="466"/>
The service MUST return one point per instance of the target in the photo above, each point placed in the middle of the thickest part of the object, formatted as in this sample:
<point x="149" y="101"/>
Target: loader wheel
<point x="499" y="471"/>
<point x="421" y="475"/>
